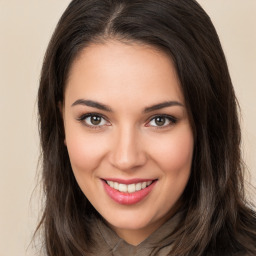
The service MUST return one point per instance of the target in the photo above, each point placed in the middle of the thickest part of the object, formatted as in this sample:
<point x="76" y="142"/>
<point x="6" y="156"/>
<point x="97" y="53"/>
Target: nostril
<point x="127" y="160"/>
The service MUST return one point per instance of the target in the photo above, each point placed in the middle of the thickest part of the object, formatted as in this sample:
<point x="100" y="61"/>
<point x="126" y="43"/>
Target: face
<point x="128" y="135"/>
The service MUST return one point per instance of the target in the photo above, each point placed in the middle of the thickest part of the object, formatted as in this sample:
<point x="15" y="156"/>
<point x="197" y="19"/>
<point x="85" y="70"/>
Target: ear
<point x="61" y="107"/>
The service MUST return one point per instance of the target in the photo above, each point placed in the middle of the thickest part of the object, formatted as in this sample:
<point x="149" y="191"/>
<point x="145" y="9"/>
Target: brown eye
<point x="95" y="120"/>
<point x="160" y="121"/>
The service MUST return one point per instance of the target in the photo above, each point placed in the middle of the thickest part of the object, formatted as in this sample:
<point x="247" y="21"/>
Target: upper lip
<point x="128" y="181"/>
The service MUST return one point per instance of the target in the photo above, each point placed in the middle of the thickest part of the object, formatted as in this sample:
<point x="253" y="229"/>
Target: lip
<point x="129" y="181"/>
<point x="128" y="198"/>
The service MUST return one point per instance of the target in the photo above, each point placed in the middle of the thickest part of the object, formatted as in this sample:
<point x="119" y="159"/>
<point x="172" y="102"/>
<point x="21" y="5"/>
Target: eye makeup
<point x="98" y="121"/>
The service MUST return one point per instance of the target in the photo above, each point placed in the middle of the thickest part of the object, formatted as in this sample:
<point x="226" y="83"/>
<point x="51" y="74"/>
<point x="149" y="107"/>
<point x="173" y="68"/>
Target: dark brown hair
<point x="218" y="219"/>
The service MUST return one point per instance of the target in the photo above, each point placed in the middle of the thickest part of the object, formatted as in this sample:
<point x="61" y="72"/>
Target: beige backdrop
<point x="25" y="29"/>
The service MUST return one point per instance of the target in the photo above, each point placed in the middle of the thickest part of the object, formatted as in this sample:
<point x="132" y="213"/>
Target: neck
<point x="136" y="236"/>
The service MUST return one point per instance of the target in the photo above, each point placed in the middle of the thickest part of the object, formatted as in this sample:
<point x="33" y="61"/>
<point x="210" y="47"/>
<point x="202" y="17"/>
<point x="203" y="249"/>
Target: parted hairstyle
<point x="218" y="219"/>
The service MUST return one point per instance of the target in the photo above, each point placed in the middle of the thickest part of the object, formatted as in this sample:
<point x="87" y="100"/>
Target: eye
<point x="93" y="120"/>
<point x="162" y="121"/>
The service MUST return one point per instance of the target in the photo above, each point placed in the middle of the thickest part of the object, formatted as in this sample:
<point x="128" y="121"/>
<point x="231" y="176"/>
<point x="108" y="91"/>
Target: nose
<point x="127" y="152"/>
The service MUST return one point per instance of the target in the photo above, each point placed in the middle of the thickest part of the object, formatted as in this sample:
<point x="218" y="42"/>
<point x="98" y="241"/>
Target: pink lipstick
<point x="128" y="192"/>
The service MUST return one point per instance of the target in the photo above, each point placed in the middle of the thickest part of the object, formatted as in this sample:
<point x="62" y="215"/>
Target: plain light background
<point x="25" y="29"/>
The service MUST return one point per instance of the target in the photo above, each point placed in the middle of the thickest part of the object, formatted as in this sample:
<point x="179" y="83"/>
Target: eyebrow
<point x="162" y="105"/>
<point x="91" y="103"/>
<point x="95" y="104"/>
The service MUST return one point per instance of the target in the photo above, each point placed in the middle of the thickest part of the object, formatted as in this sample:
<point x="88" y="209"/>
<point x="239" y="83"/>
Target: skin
<point x="128" y="143"/>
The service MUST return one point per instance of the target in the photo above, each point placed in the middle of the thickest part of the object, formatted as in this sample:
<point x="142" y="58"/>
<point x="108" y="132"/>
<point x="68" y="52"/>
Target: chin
<point x="131" y="220"/>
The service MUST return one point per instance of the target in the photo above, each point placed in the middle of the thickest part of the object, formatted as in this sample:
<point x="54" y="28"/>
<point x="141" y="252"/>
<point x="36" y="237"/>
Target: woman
<point x="140" y="135"/>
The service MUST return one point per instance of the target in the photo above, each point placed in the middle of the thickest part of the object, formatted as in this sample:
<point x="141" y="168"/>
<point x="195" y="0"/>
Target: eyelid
<point x="84" y="116"/>
<point x="173" y="120"/>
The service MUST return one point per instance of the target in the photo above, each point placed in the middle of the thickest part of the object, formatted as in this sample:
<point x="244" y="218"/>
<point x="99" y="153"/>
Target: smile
<point x="131" y="188"/>
<point x="130" y="193"/>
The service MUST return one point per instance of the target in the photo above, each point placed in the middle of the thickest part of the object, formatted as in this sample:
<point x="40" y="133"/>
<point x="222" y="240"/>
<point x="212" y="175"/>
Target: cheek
<point x="85" y="150"/>
<point x="174" y="154"/>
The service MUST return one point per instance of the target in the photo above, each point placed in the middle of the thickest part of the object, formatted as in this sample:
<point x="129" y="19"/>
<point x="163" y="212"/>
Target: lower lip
<point x="128" y="198"/>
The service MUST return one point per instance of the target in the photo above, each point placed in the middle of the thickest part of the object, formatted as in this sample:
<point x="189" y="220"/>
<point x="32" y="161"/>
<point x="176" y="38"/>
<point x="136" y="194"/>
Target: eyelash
<point x="171" y="119"/>
<point x="83" y="117"/>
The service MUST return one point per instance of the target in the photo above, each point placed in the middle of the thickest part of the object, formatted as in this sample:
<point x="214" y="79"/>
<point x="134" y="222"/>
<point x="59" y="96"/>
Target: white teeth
<point x="144" y="184"/>
<point x="131" y="188"/>
<point x="138" y="186"/>
<point x="115" y="185"/>
<point x="122" y="188"/>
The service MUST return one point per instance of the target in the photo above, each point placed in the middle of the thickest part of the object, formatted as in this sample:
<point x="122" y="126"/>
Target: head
<point x="181" y="35"/>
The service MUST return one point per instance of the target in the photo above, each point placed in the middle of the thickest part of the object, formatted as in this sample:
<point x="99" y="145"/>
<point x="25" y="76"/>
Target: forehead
<point x="126" y="71"/>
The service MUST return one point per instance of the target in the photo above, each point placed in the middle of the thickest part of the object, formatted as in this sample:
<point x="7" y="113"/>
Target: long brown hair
<point x="218" y="219"/>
